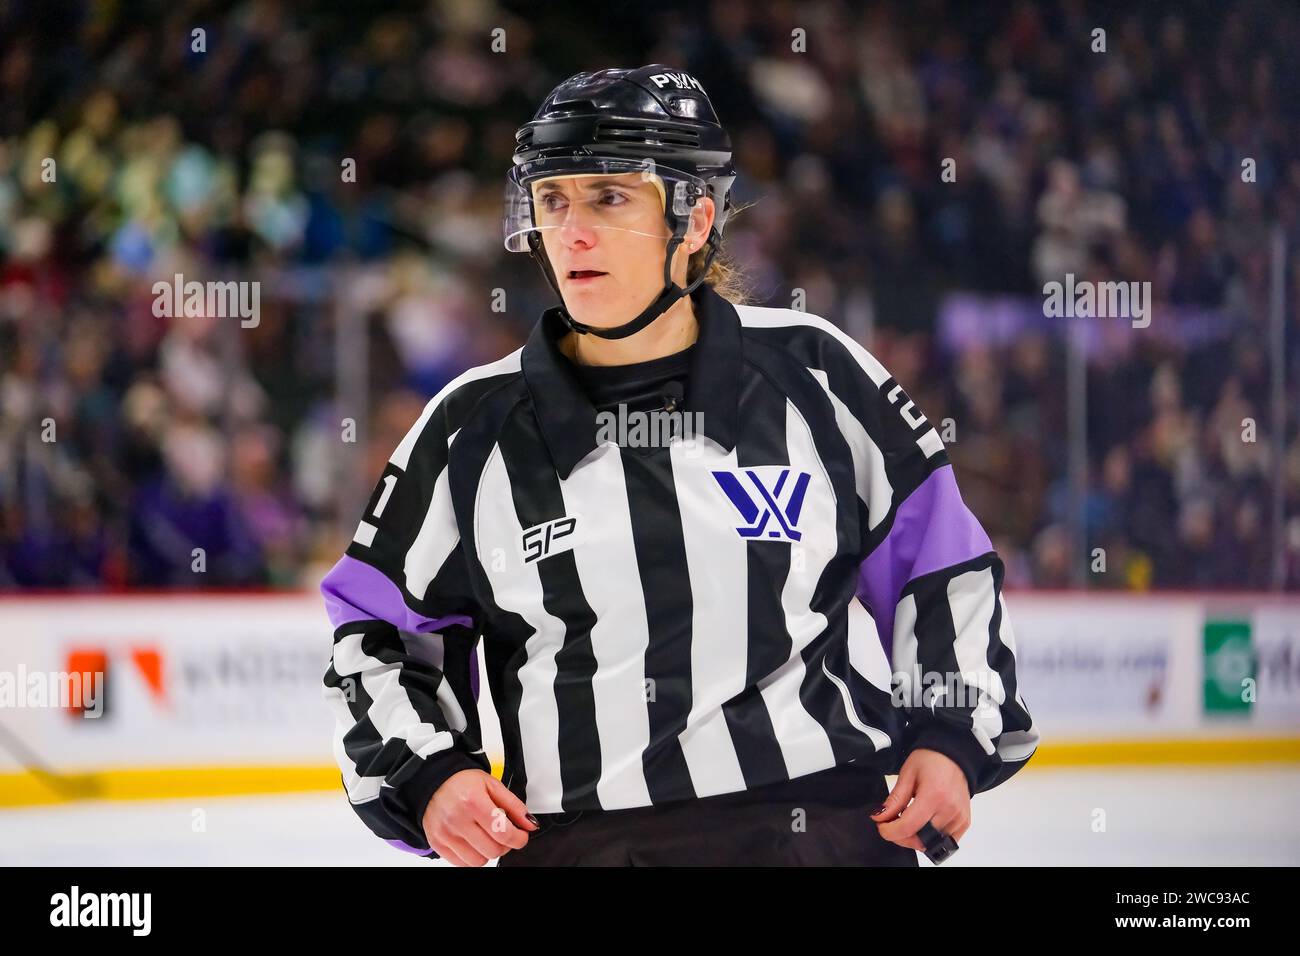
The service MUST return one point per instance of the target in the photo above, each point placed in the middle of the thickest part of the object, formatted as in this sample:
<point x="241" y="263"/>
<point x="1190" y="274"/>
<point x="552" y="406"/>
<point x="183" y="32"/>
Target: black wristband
<point x="938" y="846"/>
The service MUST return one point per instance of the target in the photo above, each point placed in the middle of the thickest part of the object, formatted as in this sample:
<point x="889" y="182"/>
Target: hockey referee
<point x="720" y="569"/>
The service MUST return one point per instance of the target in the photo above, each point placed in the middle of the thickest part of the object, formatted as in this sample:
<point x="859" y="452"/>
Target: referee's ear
<point x="515" y="808"/>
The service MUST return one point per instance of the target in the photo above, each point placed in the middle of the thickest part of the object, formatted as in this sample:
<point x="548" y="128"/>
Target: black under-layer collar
<point x="567" y="417"/>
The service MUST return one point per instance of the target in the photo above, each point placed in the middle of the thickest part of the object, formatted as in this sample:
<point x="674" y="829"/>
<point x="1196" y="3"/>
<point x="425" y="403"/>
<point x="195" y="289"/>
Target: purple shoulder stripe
<point x="356" y="591"/>
<point x="933" y="529"/>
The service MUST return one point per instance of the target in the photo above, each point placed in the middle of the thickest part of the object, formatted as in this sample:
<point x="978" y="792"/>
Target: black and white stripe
<point x="653" y="653"/>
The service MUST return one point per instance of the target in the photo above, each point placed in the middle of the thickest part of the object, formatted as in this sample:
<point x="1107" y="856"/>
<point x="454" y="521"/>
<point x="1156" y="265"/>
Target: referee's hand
<point x="938" y="792"/>
<point x="474" y="818"/>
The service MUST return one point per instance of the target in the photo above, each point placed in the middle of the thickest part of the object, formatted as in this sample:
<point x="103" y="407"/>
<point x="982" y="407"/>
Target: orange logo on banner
<point x="89" y="661"/>
<point x="149" y="662"/>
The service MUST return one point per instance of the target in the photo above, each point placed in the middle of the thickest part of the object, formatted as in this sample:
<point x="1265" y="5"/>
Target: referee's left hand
<point x="937" y="790"/>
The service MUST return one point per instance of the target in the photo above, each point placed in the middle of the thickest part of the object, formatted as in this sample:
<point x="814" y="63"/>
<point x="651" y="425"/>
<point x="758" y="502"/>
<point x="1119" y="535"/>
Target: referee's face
<point x="605" y="238"/>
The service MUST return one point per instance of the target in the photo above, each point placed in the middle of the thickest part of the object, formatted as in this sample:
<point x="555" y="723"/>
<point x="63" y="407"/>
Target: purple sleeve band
<point x="406" y="847"/>
<point x="355" y="591"/>
<point x="933" y="529"/>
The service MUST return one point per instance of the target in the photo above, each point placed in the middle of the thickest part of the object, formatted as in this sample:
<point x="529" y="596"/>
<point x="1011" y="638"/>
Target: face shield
<point x="629" y="196"/>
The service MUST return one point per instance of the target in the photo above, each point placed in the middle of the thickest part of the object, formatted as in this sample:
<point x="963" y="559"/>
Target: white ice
<point x="1093" y="817"/>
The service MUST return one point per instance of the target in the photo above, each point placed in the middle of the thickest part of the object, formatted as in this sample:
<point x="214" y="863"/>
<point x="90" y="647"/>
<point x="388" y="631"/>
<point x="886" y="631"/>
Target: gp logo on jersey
<point x="769" y="499"/>
<point x="552" y="537"/>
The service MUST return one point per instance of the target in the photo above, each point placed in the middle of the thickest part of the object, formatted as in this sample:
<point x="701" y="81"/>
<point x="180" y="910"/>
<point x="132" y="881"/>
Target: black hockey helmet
<point x="652" y="120"/>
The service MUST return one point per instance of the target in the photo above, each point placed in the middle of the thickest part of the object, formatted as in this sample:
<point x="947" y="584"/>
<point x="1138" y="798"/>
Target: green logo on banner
<point x="1229" y="667"/>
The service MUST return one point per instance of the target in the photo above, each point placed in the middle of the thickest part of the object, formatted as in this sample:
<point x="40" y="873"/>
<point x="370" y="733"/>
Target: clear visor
<point x="588" y="192"/>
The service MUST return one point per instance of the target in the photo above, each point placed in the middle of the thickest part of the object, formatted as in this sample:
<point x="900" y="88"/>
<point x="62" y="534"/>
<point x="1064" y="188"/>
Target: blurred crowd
<point x="141" y="141"/>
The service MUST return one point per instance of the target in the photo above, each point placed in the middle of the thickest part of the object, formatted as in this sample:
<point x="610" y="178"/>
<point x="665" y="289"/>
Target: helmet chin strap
<point x="671" y="291"/>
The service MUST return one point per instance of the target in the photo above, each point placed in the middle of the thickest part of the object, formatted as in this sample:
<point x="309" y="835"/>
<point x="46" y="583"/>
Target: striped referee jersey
<point x="783" y="580"/>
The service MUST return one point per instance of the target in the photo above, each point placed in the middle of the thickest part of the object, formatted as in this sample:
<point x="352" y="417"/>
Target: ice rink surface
<point x="1094" y="817"/>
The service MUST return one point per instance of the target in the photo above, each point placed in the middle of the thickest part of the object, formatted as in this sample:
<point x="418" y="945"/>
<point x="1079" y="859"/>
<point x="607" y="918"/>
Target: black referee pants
<point x="774" y="826"/>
